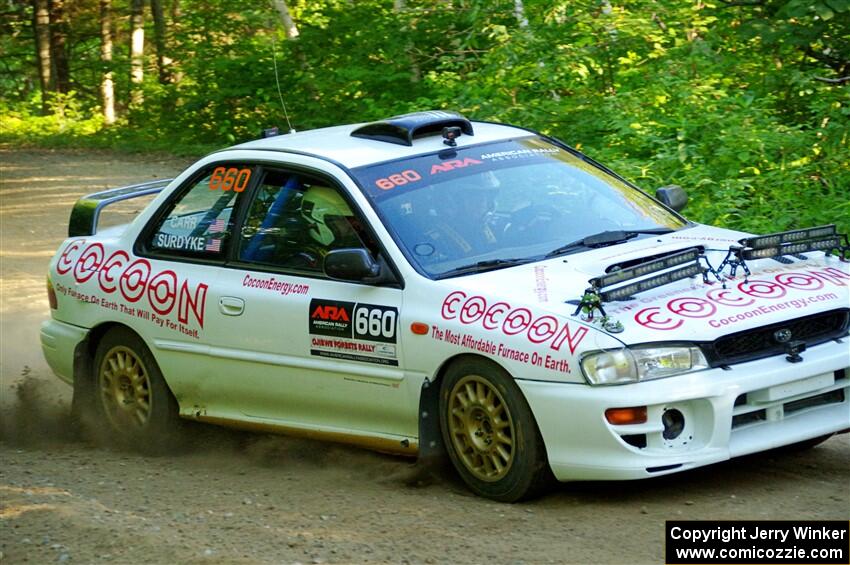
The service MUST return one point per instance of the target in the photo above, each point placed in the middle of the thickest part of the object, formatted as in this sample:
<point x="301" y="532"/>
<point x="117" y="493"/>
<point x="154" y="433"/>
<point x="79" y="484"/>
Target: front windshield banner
<point x="507" y="201"/>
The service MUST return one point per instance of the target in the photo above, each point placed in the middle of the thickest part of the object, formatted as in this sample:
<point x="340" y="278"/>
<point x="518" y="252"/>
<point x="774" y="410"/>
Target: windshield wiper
<point x="605" y="238"/>
<point x="483" y="266"/>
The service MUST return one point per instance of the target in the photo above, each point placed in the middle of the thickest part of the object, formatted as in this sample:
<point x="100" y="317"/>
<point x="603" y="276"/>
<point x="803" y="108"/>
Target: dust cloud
<point x="36" y="415"/>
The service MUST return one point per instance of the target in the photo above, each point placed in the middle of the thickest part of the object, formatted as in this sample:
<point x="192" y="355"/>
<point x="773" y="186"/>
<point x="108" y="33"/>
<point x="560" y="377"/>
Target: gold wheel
<point x="481" y="428"/>
<point x="125" y="389"/>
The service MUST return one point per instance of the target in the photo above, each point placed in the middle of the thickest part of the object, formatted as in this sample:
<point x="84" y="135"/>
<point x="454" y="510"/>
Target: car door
<point x="183" y="249"/>
<point x="295" y="348"/>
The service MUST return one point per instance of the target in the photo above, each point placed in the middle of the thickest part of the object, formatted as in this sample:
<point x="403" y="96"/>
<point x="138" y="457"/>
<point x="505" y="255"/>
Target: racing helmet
<point x="320" y="206"/>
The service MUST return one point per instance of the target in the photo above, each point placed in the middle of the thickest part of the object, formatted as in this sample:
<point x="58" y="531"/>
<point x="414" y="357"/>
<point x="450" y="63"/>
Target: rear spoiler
<point x="86" y="211"/>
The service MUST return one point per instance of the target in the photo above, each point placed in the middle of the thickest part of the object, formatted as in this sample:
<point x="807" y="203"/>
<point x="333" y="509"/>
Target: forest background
<point x="744" y="103"/>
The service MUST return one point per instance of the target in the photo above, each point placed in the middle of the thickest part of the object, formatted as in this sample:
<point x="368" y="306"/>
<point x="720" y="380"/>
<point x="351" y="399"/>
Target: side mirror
<point x="351" y="265"/>
<point x="672" y="196"/>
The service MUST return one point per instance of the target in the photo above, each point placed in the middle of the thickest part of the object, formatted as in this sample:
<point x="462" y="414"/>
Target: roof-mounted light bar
<point x="629" y="290"/>
<point x="775" y="239"/>
<point x="645" y="268"/>
<point x="401" y="130"/>
<point x="767" y="252"/>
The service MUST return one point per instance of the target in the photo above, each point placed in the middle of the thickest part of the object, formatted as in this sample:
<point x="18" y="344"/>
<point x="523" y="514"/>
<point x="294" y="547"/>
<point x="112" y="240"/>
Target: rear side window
<point x="199" y="222"/>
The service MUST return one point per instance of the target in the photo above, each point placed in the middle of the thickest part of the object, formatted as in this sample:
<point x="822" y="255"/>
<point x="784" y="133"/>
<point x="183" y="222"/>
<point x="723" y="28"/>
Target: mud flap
<point x="82" y="397"/>
<point x="432" y="451"/>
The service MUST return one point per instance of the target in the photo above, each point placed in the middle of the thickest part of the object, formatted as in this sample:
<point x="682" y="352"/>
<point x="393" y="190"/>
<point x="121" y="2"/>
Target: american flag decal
<point x="217" y="226"/>
<point x="213" y="245"/>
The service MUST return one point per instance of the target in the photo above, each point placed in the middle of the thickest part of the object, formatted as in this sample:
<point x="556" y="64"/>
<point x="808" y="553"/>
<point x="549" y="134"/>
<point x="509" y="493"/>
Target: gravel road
<point x="243" y="498"/>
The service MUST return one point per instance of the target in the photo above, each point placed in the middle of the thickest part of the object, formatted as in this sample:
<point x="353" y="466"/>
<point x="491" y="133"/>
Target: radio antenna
<point x="277" y="81"/>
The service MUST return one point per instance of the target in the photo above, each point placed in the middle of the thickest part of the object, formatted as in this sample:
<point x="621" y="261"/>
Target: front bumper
<point x="58" y="342"/>
<point x="746" y="408"/>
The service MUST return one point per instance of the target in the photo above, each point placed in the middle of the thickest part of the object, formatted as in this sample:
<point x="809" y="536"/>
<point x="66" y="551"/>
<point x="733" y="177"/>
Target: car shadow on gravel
<point x="236" y="448"/>
<point x="773" y="470"/>
<point x="37" y="418"/>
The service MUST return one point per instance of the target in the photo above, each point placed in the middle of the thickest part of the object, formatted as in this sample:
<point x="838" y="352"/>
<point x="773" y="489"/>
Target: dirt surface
<point x="241" y="498"/>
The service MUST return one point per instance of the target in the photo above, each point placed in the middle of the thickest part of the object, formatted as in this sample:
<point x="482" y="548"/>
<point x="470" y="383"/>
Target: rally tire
<point x="490" y="433"/>
<point x="129" y="404"/>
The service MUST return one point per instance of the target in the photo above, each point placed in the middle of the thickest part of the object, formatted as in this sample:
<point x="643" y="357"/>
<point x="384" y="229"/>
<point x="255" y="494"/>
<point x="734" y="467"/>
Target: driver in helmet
<point x="330" y="224"/>
<point x="465" y="226"/>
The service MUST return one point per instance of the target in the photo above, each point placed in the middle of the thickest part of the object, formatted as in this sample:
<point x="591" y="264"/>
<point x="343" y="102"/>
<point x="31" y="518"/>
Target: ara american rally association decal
<point x="353" y="331"/>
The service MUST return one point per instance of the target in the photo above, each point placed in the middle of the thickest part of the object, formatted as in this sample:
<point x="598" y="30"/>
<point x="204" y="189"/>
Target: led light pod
<point x="627" y="291"/>
<point x="823" y="244"/>
<point x="774" y="239"/>
<point x="646" y="268"/>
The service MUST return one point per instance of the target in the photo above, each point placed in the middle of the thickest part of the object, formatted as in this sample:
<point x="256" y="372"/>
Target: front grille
<point x="833" y="397"/>
<point x="746" y="413"/>
<point x="761" y="342"/>
<point x="748" y="418"/>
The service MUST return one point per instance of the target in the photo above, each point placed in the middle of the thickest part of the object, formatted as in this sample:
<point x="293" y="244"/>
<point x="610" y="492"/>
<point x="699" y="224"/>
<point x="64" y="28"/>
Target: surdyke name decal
<point x="136" y="289"/>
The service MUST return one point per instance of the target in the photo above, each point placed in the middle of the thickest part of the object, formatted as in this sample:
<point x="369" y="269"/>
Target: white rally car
<point x="427" y="284"/>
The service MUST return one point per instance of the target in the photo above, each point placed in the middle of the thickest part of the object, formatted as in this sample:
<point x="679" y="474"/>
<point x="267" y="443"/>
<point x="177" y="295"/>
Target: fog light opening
<point x="674" y="423"/>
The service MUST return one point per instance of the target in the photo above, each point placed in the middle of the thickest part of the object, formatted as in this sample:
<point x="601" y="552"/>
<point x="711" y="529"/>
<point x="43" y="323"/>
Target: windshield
<point x="501" y="203"/>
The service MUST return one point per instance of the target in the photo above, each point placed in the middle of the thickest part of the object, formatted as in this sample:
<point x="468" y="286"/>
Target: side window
<point x="295" y="220"/>
<point x="200" y="221"/>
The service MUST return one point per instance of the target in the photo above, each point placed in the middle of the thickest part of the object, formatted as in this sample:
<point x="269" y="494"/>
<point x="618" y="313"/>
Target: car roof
<point x="338" y="145"/>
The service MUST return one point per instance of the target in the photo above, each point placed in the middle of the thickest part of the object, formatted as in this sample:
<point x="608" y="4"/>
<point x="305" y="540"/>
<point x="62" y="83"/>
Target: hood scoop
<point x="402" y="130"/>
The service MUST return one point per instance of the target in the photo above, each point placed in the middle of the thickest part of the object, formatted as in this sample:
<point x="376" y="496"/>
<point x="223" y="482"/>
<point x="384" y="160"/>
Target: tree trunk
<point x="107" y="89"/>
<point x="174" y="27"/>
<point x="58" y="48"/>
<point x="399" y="7"/>
<point x="41" y="21"/>
<point x="519" y="14"/>
<point x="289" y="27"/>
<point x="159" y="35"/>
<point x="137" y="51"/>
<point x="291" y="31"/>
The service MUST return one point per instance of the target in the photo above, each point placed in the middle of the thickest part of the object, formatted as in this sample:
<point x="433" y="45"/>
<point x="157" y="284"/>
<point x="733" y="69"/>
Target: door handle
<point x="231" y="306"/>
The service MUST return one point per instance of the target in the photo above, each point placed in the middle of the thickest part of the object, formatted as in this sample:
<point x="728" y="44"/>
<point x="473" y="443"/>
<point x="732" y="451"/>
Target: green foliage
<point x="726" y="99"/>
<point x="67" y="120"/>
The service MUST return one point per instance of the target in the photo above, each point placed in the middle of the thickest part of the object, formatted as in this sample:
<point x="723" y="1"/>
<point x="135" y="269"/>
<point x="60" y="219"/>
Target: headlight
<point x="609" y="367"/>
<point x="641" y="363"/>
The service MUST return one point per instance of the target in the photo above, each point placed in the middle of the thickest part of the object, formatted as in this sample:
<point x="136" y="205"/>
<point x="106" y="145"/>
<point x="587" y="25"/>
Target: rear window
<point x="199" y="222"/>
